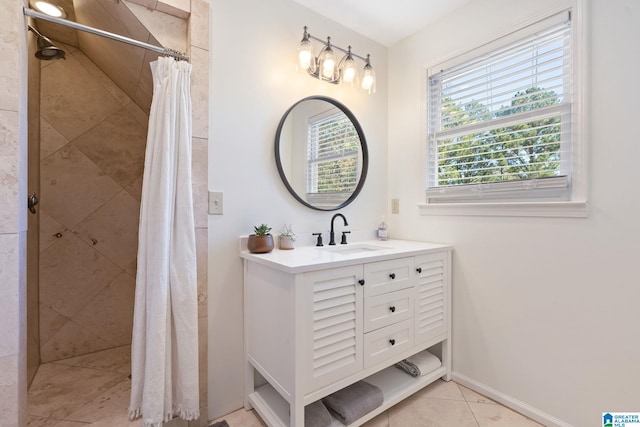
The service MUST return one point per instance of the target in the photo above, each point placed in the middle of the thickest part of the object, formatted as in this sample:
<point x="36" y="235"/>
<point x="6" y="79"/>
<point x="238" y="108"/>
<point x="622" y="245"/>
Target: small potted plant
<point x="262" y="241"/>
<point x="287" y="237"/>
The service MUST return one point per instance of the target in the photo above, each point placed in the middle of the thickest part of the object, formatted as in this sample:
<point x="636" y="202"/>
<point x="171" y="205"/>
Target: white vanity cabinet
<point x="317" y="321"/>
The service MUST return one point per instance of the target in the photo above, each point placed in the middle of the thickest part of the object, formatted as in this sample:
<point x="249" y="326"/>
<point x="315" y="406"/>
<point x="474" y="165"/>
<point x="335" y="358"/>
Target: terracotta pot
<point x="260" y="244"/>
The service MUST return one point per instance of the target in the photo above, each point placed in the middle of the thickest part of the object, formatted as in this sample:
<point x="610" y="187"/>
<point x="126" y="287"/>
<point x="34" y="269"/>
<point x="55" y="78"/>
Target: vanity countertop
<point x="310" y="258"/>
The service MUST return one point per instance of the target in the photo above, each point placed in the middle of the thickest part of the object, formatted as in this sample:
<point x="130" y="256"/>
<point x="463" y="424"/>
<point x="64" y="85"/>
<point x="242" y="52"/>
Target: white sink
<point x="354" y="248"/>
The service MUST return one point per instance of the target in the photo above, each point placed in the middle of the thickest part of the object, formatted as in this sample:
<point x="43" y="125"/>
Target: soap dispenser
<point x="383" y="232"/>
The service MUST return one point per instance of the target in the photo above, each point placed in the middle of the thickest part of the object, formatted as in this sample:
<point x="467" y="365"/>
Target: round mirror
<point x="321" y="153"/>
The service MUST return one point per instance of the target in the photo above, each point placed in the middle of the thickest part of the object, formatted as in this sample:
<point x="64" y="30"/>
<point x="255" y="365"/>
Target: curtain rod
<point x="117" y="37"/>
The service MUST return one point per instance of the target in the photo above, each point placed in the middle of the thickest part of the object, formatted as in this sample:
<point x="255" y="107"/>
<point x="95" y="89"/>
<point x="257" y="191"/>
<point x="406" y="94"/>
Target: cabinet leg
<point x="297" y="415"/>
<point x="249" y="386"/>
<point x="446" y="358"/>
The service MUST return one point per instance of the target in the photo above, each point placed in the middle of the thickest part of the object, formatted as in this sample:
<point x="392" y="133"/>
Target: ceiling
<point x="384" y="21"/>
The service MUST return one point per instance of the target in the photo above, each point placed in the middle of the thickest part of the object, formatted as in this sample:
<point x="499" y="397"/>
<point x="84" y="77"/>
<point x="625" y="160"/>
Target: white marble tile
<point x="143" y="92"/>
<point x="135" y="188"/>
<point x="242" y="418"/>
<point x="200" y="92"/>
<point x="199" y="24"/>
<point x="120" y="61"/>
<point x="72" y="186"/>
<point x="149" y="4"/>
<point x="66" y="423"/>
<point x="201" y="263"/>
<point x="9" y="294"/>
<point x="62" y="394"/>
<point x="472" y="396"/>
<point x="71" y="274"/>
<point x="71" y="340"/>
<point x="170" y="31"/>
<point x="489" y="415"/>
<point x="114" y="402"/>
<point x="179" y="8"/>
<point x="9" y="391"/>
<point x="34" y="421"/>
<point x="46" y="371"/>
<point x="72" y="100"/>
<point x="112" y="229"/>
<point x="10" y="65"/>
<point x="117" y="146"/>
<point x="9" y="162"/>
<point x="102" y="78"/>
<point x="121" y="12"/>
<point x="202" y="358"/>
<point x="50" y="230"/>
<point x="50" y="139"/>
<point x="137" y="113"/>
<point x="50" y="323"/>
<point x="110" y="314"/>
<point x="441" y="389"/>
<point x="117" y="359"/>
<point x="199" y="181"/>
<point x="421" y="411"/>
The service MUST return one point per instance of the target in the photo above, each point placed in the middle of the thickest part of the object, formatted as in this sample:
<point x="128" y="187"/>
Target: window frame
<point x="571" y="202"/>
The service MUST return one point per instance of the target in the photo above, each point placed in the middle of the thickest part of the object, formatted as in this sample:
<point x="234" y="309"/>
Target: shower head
<point x="46" y="49"/>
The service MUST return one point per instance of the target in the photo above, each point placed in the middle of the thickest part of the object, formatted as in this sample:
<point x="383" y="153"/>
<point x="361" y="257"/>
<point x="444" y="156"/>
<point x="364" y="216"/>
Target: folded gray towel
<point x="354" y="401"/>
<point x="316" y="415"/>
<point x="419" y="364"/>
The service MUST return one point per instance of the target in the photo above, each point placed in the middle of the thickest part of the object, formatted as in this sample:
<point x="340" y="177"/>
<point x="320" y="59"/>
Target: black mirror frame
<point x="363" y="147"/>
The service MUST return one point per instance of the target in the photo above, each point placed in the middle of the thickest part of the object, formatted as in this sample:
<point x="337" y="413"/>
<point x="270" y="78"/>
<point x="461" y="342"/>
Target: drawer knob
<point x="392" y="275"/>
<point x="419" y="270"/>
<point x="392" y="308"/>
<point x="392" y="341"/>
<point x="361" y="281"/>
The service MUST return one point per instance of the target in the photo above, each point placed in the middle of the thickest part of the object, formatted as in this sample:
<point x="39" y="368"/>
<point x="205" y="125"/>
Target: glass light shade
<point x="349" y="71"/>
<point x="368" y="79"/>
<point x="304" y="56"/>
<point x="328" y="64"/>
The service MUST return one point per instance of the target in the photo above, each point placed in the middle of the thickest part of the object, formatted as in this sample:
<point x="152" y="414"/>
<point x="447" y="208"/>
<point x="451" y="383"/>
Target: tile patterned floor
<point x="93" y="390"/>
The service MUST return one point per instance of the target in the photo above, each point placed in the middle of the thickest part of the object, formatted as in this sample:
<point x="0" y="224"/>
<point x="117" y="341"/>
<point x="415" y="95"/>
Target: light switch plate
<point x="395" y="206"/>
<point x="215" y="203"/>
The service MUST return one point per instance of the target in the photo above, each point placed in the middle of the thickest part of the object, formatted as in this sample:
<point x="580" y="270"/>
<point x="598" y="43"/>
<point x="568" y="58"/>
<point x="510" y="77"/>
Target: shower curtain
<point x="164" y="349"/>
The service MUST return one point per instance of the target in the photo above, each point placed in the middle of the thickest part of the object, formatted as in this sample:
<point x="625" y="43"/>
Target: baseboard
<point x="508" y="401"/>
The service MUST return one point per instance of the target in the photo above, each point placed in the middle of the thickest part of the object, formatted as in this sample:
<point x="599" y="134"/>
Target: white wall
<point x="545" y="310"/>
<point x="253" y="82"/>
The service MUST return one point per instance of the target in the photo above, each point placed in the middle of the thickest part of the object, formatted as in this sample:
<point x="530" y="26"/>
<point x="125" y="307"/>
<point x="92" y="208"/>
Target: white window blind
<point x="332" y="158"/>
<point x="499" y="123"/>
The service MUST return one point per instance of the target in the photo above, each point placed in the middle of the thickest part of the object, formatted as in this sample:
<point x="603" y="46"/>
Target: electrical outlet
<point x="395" y="206"/>
<point x="215" y="202"/>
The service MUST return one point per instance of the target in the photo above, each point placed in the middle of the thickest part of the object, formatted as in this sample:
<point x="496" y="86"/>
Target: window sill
<point x="530" y="209"/>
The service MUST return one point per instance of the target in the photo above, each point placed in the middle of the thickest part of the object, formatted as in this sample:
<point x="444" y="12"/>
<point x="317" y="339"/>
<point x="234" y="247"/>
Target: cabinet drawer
<point x="386" y="309"/>
<point x="388" y="276"/>
<point x="386" y="342"/>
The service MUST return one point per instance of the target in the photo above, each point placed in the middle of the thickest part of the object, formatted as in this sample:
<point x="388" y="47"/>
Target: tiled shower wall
<point x="93" y="139"/>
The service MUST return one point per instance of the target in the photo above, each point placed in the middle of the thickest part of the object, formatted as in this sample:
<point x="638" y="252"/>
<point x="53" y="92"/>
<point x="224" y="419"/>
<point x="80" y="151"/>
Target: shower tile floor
<point x="94" y="390"/>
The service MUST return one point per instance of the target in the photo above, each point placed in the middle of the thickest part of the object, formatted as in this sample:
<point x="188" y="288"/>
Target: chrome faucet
<point x="332" y="239"/>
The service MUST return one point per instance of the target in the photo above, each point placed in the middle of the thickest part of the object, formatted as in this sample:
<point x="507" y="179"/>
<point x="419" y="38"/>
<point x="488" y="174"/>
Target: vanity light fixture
<point x="324" y="66"/>
<point x="48" y="8"/>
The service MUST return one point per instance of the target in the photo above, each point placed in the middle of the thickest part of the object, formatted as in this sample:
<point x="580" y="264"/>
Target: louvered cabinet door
<point x="431" y="316"/>
<point x="332" y="325"/>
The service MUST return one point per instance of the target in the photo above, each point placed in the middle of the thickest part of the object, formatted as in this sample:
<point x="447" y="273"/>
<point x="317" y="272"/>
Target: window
<point x="332" y="159"/>
<point x="500" y="123"/>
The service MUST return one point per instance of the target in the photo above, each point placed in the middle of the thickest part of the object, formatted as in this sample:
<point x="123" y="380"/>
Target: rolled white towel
<point x="419" y="364"/>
